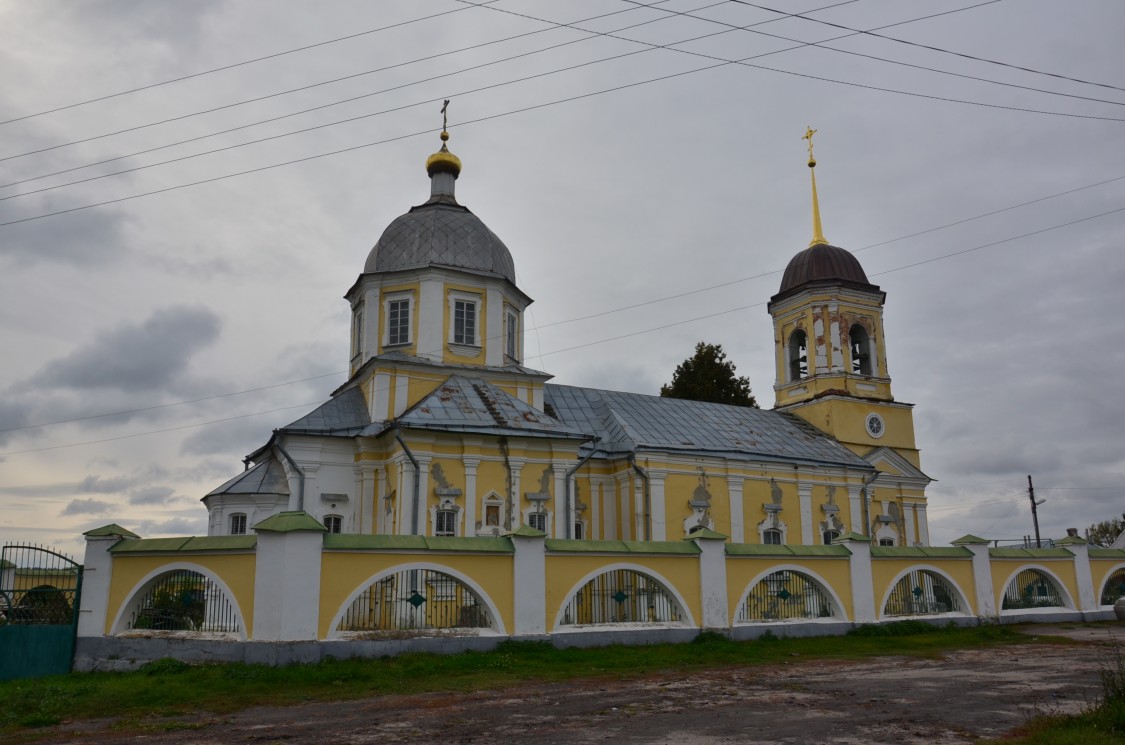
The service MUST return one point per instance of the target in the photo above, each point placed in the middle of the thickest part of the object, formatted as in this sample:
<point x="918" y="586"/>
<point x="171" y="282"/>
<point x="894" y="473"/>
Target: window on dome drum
<point x="537" y="521"/>
<point x="334" y="523"/>
<point x="357" y="332"/>
<point x="464" y="322"/>
<point x="238" y="524"/>
<point x="772" y="537"/>
<point x="798" y="356"/>
<point x="398" y="322"/>
<point x="830" y="535"/>
<point x="446" y="522"/>
<point x="860" y="350"/>
<point x="512" y="336"/>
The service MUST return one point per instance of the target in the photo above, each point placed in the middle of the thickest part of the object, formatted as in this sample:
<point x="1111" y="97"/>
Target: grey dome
<point x="440" y="232"/>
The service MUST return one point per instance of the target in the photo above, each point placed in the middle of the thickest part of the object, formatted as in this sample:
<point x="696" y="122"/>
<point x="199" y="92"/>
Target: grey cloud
<point x="94" y="484"/>
<point x="151" y="495"/>
<point x="174" y="525"/>
<point x="230" y="438"/>
<point x="90" y="239"/>
<point x="87" y="507"/>
<point x="141" y="357"/>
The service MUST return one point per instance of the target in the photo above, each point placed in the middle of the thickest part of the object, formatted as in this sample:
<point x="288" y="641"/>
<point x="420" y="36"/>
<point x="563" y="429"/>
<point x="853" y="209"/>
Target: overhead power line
<point x="823" y="45"/>
<point x="872" y="32"/>
<point x="232" y="65"/>
<point x="586" y="317"/>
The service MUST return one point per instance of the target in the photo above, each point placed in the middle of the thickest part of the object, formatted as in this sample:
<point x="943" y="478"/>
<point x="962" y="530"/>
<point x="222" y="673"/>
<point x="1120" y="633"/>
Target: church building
<point x="441" y="430"/>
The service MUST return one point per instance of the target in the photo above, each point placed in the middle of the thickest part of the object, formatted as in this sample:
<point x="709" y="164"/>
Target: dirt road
<point x="965" y="695"/>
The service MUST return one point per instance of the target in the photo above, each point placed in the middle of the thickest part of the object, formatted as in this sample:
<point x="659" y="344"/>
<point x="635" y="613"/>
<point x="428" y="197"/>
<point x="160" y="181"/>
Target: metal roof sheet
<point x="267" y="477"/>
<point x="472" y="405"/>
<point x="625" y="422"/>
<point x="344" y="415"/>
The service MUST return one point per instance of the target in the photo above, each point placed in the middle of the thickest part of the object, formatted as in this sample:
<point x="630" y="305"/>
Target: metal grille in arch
<point x="785" y="595"/>
<point x="415" y="599"/>
<point x="921" y="592"/>
<point x="184" y="600"/>
<point x="621" y="596"/>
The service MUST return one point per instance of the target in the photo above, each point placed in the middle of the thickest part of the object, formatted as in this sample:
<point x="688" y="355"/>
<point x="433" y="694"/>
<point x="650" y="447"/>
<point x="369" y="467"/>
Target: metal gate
<point x="40" y="591"/>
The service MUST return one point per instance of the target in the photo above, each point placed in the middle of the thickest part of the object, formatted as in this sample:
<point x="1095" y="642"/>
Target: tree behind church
<point x="1106" y="532"/>
<point x="708" y="376"/>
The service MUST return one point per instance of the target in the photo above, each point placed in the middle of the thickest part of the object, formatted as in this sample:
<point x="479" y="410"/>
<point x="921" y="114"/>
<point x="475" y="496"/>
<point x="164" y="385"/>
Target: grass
<point x="164" y="690"/>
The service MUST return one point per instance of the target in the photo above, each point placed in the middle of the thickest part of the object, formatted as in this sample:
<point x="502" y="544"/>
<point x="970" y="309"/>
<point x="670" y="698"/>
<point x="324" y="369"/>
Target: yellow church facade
<point x="442" y="431"/>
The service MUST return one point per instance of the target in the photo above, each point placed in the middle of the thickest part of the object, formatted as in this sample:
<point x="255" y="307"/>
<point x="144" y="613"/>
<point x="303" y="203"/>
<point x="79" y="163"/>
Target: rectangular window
<point x="446" y="523"/>
<point x="512" y="339"/>
<point x="538" y="521"/>
<point x="398" y="322"/>
<point x="238" y="524"/>
<point x="357" y="332"/>
<point x="772" y="537"/>
<point x="464" y="322"/>
<point x="579" y="531"/>
<point x="334" y="523"/>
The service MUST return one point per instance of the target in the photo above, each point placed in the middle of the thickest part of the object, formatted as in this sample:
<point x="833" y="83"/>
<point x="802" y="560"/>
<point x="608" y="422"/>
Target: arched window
<point x="798" y="355"/>
<point x="334" y="523"/>
<point x="829" y="536"/>
<point x="772" y="537"/>
<point x="861" y="350"/>
<point x="537" y="521"/>
<point x="886" y="541"/>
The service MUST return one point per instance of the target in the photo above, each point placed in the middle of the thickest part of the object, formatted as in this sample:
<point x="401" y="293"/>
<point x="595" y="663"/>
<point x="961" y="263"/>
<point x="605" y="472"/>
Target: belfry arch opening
<point x="797" y="355"/>
<point x="860" y="350"/>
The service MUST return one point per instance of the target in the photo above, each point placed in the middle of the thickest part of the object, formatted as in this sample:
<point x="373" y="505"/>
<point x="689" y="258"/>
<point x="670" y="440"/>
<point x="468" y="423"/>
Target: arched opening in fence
<point x="416" y="599"/>
<point x="922" y="592"/>
<point x="1114" y="587"/>
<point x="621" y="596"/>
<point x="787" y="595"/>
<point x="1032" y="588"/>
<point x="183" y="600"/>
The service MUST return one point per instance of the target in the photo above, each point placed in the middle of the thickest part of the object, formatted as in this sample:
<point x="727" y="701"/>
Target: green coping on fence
<point x="1107" y="553"/>
<point x="1030" y="553"/>
<point x="356" y="542"/>
<point x="563" y="545"/>
<point x="920" y="552"/>
<point x="189" y="544"/>
<point x="774" y="549"/>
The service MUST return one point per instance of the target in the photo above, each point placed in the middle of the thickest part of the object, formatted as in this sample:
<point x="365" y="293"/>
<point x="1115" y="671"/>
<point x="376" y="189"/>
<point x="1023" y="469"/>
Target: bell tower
<point x="830" y="349"/>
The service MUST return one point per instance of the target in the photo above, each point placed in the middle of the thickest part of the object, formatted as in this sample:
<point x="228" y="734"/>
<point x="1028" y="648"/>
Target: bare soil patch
<point x="955" y="699"/>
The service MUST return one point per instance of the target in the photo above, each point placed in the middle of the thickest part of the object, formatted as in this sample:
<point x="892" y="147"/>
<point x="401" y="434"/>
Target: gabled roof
<point x="627" y="422"/>
<point x="462" y="404"/>
<point x="904" y="468"/>
<point x="267" y="477"/>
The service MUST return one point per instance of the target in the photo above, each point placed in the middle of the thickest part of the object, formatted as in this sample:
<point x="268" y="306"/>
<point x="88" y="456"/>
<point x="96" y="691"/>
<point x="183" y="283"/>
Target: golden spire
<point x="818" y="232"/>
<point x="443" y="161"/>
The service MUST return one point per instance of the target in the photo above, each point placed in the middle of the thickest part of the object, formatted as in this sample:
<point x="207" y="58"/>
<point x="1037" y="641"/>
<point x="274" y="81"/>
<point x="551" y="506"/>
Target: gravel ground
<point x="955" y="699"/>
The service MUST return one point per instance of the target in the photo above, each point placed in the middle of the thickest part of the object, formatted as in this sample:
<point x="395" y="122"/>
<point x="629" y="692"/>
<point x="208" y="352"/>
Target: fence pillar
<point x="859" y="566"/>
<point x="1088" y="601"/>
<point x="97" y="574"/>
<point x="982" y="574"/>
<point x="529" y="591"/>
<point x="287" y="577"/>
<point x="712" y="578"/>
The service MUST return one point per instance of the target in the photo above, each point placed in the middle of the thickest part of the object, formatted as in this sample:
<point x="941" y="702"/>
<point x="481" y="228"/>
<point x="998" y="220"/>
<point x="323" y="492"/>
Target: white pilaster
<point x="96" y="578"/>
<point x="855" y="508"/>
<point x="624" y="487"/>
<point x="804" y="498"/>
<point x="908" y="520"/>
<point x="513" y="518"/>
<point x="402" y="392"/>
<point x="431" y="317"/>
<point x="982" y="576"/>
<point x="381" y="397"/>
<point x="835" y="338"/>
<point x="288" y="564"/>
<point x="737" y="518"/>
<point x="656" y="505"/>
<point x="563" y="517"/>
<point x="470" y="494"/>
<point x="370" y="323"/>
<point x="369" y="505"/>
<point x="1087" y="596"/>
<point x="923" y="525"/>
<point x="492" y="335"/>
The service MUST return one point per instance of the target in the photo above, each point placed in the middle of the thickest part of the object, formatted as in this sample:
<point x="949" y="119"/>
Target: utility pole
<point x="1034" y="511"/>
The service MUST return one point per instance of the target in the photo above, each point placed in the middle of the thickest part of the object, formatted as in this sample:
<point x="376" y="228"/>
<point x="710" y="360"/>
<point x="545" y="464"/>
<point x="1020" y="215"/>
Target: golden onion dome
<point x="443" y="161"/>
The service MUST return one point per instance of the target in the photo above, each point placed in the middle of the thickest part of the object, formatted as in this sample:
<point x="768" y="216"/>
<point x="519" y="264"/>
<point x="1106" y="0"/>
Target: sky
<point x="168" y="318"/>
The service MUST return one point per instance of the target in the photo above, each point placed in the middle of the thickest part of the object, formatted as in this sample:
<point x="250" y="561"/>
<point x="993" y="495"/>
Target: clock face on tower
<point x="875" y="425"/>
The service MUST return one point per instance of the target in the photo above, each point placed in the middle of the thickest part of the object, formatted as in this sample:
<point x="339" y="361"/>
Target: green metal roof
<point x="1107" y="553"/>
<point x="1071" y="540"/>
<point x="290" y="522"/>
<point x="561" y="545"/>
<point x="190" y="544"/>
<point x="1030" y="553"/>
<point x="920" y="552"/>
<point x="706" y="534"/>
<point x="113" y="529"/>
<point x="772" y="549"/>
<point x="526" y="531"/>
<point x="354" y="542"/>
<point x="970" y="540"/>
<point x="853" y="537"/>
